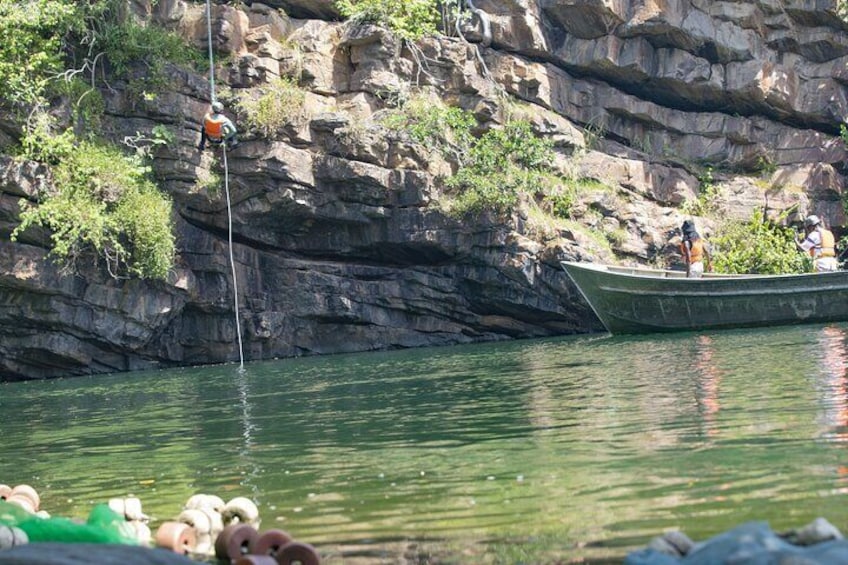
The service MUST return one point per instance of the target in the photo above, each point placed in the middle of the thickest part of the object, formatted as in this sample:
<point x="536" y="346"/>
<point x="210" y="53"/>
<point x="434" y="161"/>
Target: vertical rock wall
<point x="339" y="241"/>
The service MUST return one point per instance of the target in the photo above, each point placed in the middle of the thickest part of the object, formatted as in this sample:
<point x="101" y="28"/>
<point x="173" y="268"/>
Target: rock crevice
<point x="339" y="240"/>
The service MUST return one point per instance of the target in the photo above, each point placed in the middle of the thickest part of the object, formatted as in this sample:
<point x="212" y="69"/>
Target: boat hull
<point x="647" y="300"/>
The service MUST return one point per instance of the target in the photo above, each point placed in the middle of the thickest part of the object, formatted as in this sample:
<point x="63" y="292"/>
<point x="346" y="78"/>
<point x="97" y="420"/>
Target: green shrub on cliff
<point x="502" y="165"/>
<point x="434" y="125"/>
<point x="105" y="203"/>
<point x="493" y="170"/>
<point x="31" y="47"/>
<point x="842" y="9"/>
<point x="138" y="53"/>
<point x="271" y="106"/>
<point x="757" y="245"/>
<point x="86" y="104"/>
<point x="53" y="40"/>
<point x="104" y="200"/>
<point x="409" y="19"/>
<point x="709" y="196"/>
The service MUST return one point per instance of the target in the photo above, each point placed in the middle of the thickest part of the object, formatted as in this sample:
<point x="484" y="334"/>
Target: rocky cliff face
<point x="338" y="244"/>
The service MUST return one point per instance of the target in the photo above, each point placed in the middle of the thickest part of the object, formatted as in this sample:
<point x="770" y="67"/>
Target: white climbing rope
<point x="211" y="56"/>
<point x="226" y="188"/>
<point x="232" y="260"/>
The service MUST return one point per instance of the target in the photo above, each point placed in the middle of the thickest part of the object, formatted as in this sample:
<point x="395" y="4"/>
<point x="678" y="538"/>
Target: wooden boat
<point x="640" y="300"/>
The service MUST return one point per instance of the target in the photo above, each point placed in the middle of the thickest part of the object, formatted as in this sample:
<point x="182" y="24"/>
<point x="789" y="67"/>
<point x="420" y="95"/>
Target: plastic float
<point x="130" y="509"/>
<point x="10" y="536"/>
<point x="177" y="537"/>
<point x="204" y="517"/>
<point x="23" y="495"/>
<point x="206" y="527"/>
<point x="235" y="541"/>
<point x="270" y="542"/>
<point x="241" y="544"/>
<point x="241" y="510"/>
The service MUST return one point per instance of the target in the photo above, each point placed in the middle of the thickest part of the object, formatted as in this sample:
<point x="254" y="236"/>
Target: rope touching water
<point x="226" y="188"/>
<point x="232" y="261"/>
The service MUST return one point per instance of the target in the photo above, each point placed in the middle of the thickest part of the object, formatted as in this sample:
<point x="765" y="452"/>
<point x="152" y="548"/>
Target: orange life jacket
<point x="827" y="247"/>
<point x="695" y="250"/>
<point x="213" y="124"/>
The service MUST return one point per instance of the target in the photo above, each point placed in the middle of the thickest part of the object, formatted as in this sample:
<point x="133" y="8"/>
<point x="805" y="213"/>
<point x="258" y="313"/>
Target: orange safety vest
<point x="696" y="250"/>
<point x="213" y="124"/>
<point x="827" y="247"/>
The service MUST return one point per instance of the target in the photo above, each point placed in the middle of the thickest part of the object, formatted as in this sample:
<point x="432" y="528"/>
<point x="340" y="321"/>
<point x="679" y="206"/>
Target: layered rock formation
<point x="339" y="243"/>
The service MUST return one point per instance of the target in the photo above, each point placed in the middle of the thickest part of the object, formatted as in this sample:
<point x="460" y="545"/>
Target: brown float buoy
<point x="270" y="542"/>
<point x="255" y="560"/>
<point x="297" y="552"/>
<point x="234" y="541"/>
<point x="176" y="536"/>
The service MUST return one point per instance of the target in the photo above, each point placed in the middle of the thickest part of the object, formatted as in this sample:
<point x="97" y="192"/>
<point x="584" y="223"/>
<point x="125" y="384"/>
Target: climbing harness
<point x="226" y="187"/>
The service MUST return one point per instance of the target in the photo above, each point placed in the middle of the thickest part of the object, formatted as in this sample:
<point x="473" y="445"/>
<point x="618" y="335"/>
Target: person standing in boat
<point x="820" y="244"/>
<point x="695" y="251"/>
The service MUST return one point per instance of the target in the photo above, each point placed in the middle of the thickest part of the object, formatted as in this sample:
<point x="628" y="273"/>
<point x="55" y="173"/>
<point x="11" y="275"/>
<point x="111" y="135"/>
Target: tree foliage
<point x="757" y="246"/>
<point x="495" y="169"/>
<point x="43" y="39"/>
<point x="138" y="53"/>
<point x="31" y="51"/>
<point x="105" y="202"/>
<point x="503" y="164"/>
<point x="409" y="19"/>
<point x="434" y="125"/>
<point x="270" y="107"/>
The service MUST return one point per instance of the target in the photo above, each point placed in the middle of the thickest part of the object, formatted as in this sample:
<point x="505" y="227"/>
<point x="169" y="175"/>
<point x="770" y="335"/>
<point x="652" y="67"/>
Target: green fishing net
<point x="103" y="526"/>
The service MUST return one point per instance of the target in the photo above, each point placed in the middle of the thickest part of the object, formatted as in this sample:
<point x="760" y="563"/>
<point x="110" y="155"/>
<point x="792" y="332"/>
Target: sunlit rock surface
<point x="339" y="242"/>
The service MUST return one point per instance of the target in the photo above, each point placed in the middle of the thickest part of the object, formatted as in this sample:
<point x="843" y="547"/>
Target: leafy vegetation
<point x="86" y="103"/>
<point x="31" y="49"/>
<point x="43" y="143"/>
<point x="106" y="203"/>
<point x="146" y="144"/>
<point x="842" y="9"/>
<point x="272" y="106"/>
<point x="502" y="165"/>
<point x="495" y="169"/>
<point x="709" y="195"/>
<point x="435" y="126"/>
<point x="105" y="200"/>
<point x="408" y="19"/>
<point x="129" y="47"/>
<point x="759" y="246"/>
<point x="41" y="36"/>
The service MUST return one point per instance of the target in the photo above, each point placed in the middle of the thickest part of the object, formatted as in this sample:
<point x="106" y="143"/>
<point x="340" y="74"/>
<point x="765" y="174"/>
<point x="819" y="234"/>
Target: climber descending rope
<point x="219" y="130"/>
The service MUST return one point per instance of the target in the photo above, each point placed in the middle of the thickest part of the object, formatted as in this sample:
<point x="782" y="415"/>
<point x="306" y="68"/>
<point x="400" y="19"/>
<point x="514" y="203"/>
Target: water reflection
<point x="596" y="443"/>
<point x="249" y="429"/>
<point x="833" y="381"/>
<point x="709" y="379"/>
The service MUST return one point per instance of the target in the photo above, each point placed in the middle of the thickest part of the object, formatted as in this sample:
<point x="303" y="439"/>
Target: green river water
<point x="530" y="451"/>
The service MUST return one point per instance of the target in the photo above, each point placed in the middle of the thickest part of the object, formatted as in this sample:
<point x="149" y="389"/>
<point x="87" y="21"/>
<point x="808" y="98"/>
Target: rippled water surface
<point x="528" y="451"/>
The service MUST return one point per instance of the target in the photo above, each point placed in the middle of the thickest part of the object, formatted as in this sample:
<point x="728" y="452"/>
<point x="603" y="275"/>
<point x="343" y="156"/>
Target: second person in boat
<point x="820" y="244"/>
<point x="695" y="251"/>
